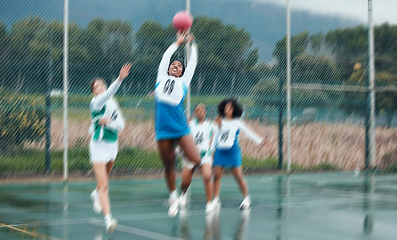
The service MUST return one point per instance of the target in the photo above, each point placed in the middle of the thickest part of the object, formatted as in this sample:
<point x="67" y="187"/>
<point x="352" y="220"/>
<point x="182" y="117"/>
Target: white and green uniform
<point x="202" y="133"/>
<point x="104" y="144"/>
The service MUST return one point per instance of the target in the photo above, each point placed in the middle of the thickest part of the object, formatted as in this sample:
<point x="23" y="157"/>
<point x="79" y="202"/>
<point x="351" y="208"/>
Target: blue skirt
<point x="228" y="157"/>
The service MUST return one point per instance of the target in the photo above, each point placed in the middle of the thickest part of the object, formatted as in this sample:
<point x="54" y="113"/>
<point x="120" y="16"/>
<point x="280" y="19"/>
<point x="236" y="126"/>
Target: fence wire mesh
<point x="242" y="54"/>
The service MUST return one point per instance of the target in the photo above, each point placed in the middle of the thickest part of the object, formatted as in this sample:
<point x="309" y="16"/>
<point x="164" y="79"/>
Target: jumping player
<point x="171" y="124"/>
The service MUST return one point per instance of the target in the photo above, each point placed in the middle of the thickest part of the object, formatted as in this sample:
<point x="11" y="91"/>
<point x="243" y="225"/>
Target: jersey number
<point x="169" y="86"/>
<point x="199" y="138"/>
<point x="224" y="136"/>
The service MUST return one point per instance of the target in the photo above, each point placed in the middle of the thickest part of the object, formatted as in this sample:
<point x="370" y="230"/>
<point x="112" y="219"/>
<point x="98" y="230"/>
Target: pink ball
<point x="182" y="21"/>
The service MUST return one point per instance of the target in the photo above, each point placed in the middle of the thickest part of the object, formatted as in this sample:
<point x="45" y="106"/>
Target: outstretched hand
<point x="125" y="70"/>
<point x="181" y="37"/>
<point x="190" y="37"/>
<point x="184" y="36"/>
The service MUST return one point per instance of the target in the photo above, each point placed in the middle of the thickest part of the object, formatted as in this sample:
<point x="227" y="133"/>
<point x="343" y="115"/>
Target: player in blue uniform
<point x="227" y="150"/>
<point x="171" y="125"/>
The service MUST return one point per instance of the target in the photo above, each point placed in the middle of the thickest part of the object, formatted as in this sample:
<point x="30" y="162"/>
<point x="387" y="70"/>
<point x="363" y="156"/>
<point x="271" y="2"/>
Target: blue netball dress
<point x="226" y="145"/>
<point x="170" y="92"/>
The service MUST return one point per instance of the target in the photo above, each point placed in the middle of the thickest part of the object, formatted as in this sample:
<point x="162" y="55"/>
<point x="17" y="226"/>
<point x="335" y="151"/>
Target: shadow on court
<point x="307" y="206"/>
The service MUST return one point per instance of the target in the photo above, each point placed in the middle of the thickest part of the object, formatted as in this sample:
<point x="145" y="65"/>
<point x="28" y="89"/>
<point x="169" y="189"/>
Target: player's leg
<point x="206" y="172"/>
<point x="218" y="172"/>
<point x="101" y="176"/>
<point x="239" y="177"/>
<point x="189" y="148"/>
<point x="187" y="175"/>
<point x="95" y="194"/>
<point x="109" y="166"/>
<point x="102" y="183"/>
<point x="167" y="153"/>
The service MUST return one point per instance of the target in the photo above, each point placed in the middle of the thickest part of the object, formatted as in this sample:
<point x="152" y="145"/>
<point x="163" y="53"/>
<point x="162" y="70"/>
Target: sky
<point x="383" y="10"/>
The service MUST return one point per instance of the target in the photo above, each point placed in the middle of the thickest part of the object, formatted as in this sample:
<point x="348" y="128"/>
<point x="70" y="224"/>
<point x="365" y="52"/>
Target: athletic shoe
<point x="110" y="224"/>
<point x="173" y="201"/>
<point x="209" y="208"/>
<point x="96" y="203"/>
<point x="246" y="203"/>
<point x="216" y="203"/>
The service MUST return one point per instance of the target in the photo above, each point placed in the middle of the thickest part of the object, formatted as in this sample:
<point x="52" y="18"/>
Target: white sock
<point x="216" y="199"/>
<point x="173" y="194"/>
<point x="108" y="217"/>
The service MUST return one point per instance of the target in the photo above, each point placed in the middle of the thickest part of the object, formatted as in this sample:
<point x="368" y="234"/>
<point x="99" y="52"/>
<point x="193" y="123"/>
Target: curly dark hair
<point x="237" y="109"/>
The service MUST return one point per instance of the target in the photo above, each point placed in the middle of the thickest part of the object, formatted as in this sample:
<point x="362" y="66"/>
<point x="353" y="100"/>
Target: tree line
<point x="31" y="52"/>
<point x="33" y="48"/>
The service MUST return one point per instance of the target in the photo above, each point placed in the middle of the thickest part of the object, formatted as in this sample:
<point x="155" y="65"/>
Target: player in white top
<point x="171" y="124"/>
<point x="107" y="121"/>
<point x="202" y="130"/>
<point x="227" y="150"/>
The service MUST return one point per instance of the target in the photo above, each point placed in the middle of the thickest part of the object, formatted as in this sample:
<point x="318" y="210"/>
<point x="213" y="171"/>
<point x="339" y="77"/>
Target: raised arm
<point x="165" y="61"/>
<point x="99" y="101"/>
<point x="191" y="65"/>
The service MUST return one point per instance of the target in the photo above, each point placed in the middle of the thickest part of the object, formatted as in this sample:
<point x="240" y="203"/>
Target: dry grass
<point x="342" y="145"/>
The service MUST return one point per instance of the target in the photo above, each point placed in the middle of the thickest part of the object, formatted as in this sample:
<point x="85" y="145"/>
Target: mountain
<point x="266" y="22"/>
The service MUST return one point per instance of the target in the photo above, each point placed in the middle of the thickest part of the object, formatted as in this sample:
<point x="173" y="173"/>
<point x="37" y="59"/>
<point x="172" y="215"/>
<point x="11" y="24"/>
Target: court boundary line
<point x="137" y="231"/>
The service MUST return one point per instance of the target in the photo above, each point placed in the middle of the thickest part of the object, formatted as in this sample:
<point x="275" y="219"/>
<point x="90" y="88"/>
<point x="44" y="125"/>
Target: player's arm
<point x="249" y="133"/>
<point x="117" y="122"/>
<point x="165" y="61"/>
<point x="214" y="143"/>
<point x="99" y="101"/>
<point x="192" y="62"/>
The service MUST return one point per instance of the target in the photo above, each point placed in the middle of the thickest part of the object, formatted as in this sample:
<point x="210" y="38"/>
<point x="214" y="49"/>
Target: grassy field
<point x="129" y="160"/>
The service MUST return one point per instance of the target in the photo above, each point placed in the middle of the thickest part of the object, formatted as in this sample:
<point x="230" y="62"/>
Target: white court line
<point x="359" y="195"/>
<point x="138" y="232"/>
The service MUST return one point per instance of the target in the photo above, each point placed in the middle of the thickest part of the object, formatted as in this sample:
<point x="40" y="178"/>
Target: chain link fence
<point x="242" y="54"/>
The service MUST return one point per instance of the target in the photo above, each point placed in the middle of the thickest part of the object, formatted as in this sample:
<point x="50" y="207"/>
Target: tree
<point x="315" y="70"/>
<point x="152" y="40"/>
<point x="22" y="120"/>
<point x="106" y="45"/>
<point x="225" y="57"/>
<point x="386" y="101"/>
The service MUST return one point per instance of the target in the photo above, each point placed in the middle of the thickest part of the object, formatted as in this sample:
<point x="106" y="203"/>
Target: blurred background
<point x="243" y="45"/>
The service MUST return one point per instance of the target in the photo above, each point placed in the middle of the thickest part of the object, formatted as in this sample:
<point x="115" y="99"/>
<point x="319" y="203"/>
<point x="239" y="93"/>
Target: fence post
<point x="48" y="110"/>
<point x="370" y="145"/>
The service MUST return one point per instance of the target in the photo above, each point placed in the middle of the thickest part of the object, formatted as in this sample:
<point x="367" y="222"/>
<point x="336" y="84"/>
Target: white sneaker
<point x="183" y="200"/>
<point x="110" y="224"/>
<point x="246" y="203"/>
<point x="209" y="208"/>
<point x="173" y="201"/>
<point x="96" y="203"/>
<point x="216" y="203"/>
